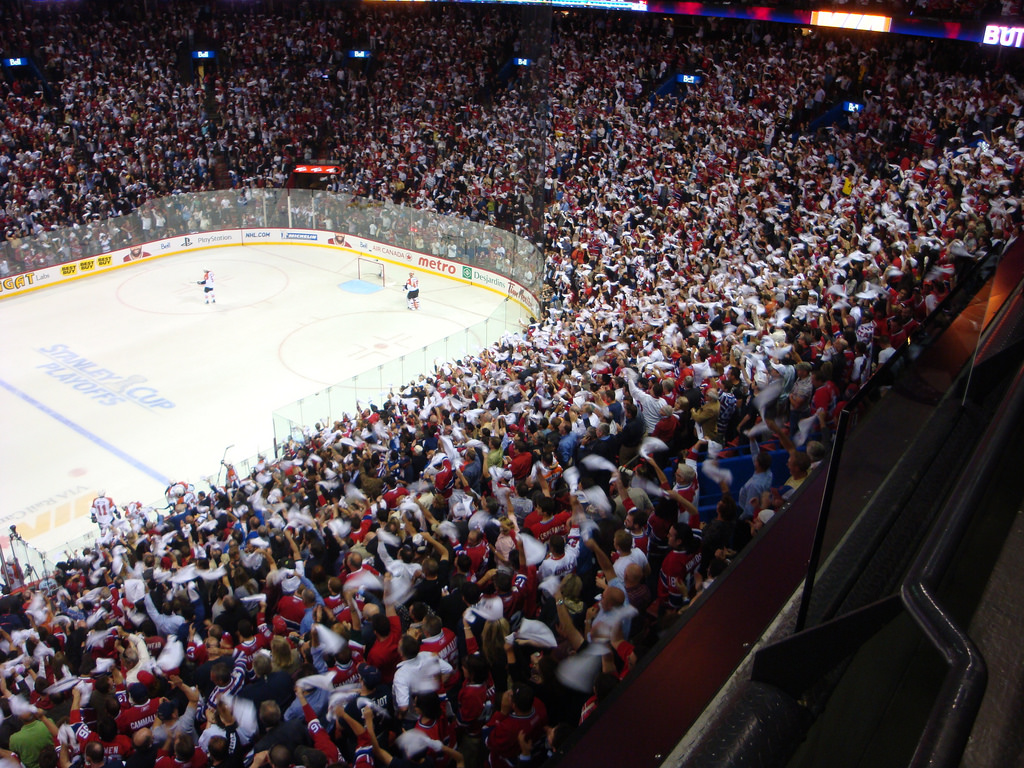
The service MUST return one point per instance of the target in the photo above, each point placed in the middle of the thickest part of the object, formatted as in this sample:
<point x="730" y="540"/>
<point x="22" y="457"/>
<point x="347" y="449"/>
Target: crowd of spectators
<point x="467" y="569"/>
<point x="127" y="125"/>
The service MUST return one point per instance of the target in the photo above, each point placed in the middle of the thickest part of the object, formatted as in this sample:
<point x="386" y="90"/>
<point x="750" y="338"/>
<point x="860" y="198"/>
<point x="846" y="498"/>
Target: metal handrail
<point x="957" y="704"/>
<point x="947" y="306"/>
<point x="953" y="303"/>
<point x="831" y="479"/>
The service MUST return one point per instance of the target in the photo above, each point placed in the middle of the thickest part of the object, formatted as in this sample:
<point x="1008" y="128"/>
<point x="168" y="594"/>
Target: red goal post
<point x="370" y="270"/>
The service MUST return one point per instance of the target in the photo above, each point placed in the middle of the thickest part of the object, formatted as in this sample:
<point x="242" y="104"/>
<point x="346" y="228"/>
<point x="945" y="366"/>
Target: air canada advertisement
<point x="16" y="284"/>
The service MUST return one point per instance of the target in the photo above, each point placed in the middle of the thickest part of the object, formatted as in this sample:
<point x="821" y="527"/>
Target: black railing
<point x="956" y="706"/>
<point x="680" y="677"/>
<point x="920" y="373"/>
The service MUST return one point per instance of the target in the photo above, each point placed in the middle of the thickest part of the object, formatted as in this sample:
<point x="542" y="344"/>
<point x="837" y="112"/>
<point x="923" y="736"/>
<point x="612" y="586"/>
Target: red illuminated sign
<point x="330" y="169"/>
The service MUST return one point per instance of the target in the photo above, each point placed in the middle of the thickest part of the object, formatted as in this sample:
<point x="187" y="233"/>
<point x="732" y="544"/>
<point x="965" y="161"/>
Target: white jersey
<point x="135" y="514"/>
<point x="103" y="510"/>
<point x="558" y="567"/>
<point x="207" y="283"/>
<point x="412" y="291"/>
<point x="177" y="491"/>
<point x="635" y="556"/>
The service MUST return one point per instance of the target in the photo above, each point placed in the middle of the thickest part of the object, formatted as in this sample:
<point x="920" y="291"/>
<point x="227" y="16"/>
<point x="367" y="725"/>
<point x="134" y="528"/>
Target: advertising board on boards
<point x="453" y="270"/>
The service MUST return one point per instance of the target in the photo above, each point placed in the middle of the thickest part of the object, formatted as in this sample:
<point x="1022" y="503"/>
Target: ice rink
<point x="125" y="380"/>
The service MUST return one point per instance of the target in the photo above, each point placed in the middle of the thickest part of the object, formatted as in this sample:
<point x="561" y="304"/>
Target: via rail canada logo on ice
<point x="98" y="383"/>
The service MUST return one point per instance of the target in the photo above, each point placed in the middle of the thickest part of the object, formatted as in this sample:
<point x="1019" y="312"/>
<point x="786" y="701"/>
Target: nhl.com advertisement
<point x="13" y="285"/>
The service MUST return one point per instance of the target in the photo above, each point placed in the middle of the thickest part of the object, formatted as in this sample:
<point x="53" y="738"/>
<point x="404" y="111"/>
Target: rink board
<point x="125" y="380"/>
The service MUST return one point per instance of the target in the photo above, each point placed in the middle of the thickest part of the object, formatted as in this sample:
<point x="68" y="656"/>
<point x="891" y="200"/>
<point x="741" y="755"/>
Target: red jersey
<point x="154" y="645"/>
<point x="475" y="707"/>
<point x="137" y="716"/>
<point x="120" y="747"/>
<point x="347" y="673"/>
<point x="511" y="601"/>
<point x="521" y="465"/>
<point x="445" y="646"/>
<point x="364" y="752"/>
<point x="384" y="653"/>
<point x="246" y="649"/>
<point x="442" y="730"/>
<point x="318" y="734"/>
<point x="364" y="568"/>
<point x="545" y="529"/>
<point x="525" y="583"/>
<point x="197" y="652"/>
<point x="343" y="613"/>
<point x="292" y="609"/>
<point x="665" y="429"/>
<point x="365" y="524"/>
<point x="825" y="397"/>
<point x="676" y="577"/>
<point x="478" y="555"/>
<point x="360" y="601"/>
<point x="503" y="741"/>
<point x="165" y="760"/>
<point x="394" y="496"/>
<point x="335" y="602"/>
<point x="688" y="492"/>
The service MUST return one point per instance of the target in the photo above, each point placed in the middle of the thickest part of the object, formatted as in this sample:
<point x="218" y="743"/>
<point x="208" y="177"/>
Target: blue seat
<point x="742" y="467"/>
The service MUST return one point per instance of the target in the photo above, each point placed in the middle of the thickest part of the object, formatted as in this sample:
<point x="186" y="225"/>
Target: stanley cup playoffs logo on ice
<point x="98" y="383"/>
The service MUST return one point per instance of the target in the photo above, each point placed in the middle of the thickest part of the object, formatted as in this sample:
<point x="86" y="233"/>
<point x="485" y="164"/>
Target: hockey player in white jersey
<point x="207" y="283"/>
<point x="135" y="514"/>
<point x="103" y="511"/>
<point x="412" y="291"/>
<point x="180" y="492"/>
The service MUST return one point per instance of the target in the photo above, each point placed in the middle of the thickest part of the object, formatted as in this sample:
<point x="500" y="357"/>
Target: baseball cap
<point x="370" y="675"/>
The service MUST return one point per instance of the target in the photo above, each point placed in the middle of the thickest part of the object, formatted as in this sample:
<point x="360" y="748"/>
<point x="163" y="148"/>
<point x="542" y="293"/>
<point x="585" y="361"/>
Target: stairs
<point x="219" y="162"/>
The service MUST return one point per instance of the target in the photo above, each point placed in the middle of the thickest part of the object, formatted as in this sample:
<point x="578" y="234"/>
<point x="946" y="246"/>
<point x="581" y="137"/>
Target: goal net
<point x="370" y="270"/>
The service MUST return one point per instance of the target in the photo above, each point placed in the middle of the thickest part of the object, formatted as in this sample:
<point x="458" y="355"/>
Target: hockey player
<point x="180" y="492"/>
<point x="207" y="283"/>
<point x="231" y="480"/>
<point x="103" y="511"/>
<point x="412" y="291"/>
<point x="135" y="514"/>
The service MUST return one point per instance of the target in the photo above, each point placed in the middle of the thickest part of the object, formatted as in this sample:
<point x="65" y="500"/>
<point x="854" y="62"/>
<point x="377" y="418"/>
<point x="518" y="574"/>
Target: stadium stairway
<point x="219" y="170"/>
<point x="219" y="161"/>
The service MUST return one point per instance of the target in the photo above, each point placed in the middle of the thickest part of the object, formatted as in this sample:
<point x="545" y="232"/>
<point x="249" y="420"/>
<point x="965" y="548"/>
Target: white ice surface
<point x="281" y="329"/>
